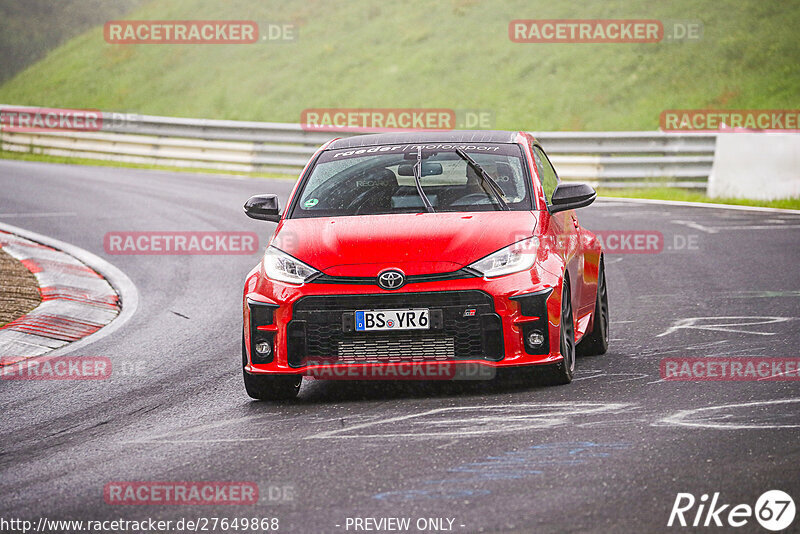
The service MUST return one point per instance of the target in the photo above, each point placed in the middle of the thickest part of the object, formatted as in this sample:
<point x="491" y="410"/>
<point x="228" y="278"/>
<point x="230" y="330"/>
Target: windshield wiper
<point x="485" y="178"/>
<point x="417" y="176"/>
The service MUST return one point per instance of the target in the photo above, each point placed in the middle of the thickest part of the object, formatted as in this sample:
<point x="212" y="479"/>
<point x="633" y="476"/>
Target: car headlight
<point x="511" y="259"/>
<point x="280" y="266"/>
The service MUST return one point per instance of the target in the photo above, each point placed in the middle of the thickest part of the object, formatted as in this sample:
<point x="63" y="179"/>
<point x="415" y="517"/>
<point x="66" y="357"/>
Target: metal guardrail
<point x="610" y="159"/>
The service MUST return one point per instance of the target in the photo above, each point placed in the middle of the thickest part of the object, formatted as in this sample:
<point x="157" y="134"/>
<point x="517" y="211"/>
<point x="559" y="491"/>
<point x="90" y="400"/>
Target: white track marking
<point x="599" y="373"/>
<point x="706" y="205"/>
<point x="26" y="215"/>
<point x="691" y="323"/>
<point x="248" y="422"/>
<point x="596" y="373"/>
<point x="696" y="226"/>
<point x="772" y="376"/>
<point x="506" y="418"/>
<point x="681" y="417"/>
<point x="717" y="229"/>
<point x="616" y="422"/>
<point x="759" y="227"/>
<point x="192" y="429"/>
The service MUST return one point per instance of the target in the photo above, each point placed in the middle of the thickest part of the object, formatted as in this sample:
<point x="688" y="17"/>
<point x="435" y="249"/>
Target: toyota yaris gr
<point x="424" y="250"/>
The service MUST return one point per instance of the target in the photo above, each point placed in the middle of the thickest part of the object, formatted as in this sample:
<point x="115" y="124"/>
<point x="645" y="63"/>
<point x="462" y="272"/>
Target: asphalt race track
<point x="607" y="453"/>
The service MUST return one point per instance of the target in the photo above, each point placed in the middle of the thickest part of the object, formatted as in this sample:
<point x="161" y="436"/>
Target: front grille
<point x="316" y="334"/>
<point x="397" y="349"/>
<point x="323" y="278"/>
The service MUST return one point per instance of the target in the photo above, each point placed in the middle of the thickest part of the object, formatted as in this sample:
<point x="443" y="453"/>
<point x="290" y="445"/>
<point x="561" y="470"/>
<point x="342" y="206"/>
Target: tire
<point x="265" y="387"/>
<point x="596" y="341"/>
<point x="562" y="372"/>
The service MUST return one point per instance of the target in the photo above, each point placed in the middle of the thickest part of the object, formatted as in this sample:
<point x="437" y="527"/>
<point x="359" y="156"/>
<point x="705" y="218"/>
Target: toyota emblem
<point x="391" y="279"/>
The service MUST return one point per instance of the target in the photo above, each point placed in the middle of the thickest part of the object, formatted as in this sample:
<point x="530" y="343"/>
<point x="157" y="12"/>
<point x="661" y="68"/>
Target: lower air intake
<point x="398" y="349"/>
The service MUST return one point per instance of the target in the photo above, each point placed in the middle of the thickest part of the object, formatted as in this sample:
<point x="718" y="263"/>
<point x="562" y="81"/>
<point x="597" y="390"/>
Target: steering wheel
<point x="366" y="201"/>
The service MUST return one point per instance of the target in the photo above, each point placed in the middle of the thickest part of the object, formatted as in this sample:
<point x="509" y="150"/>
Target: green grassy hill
<point x="418" y="53"/>
<point x="29" y="29"/>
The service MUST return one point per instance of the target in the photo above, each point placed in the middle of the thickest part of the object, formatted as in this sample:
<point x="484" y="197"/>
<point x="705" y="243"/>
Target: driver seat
<point x="382" y="187"/>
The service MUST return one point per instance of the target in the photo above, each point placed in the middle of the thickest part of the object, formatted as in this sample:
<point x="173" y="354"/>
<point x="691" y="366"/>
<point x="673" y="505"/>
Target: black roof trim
<point x="399" y="138"/>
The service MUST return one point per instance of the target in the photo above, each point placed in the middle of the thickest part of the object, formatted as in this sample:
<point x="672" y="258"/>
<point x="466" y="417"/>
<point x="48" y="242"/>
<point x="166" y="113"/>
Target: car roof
<point x="453" y="136"/>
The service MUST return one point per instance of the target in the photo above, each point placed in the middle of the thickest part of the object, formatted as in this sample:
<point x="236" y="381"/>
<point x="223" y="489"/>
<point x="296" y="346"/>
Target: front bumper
<point x="474" y="321"/>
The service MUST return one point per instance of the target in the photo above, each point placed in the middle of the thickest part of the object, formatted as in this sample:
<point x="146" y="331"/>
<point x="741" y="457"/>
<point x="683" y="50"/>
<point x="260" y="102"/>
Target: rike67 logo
<point x="774" y="510"/>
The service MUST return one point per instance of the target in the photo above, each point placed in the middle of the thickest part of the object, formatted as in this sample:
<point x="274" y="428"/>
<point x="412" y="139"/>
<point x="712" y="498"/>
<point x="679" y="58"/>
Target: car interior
<point x="389" y="186"/>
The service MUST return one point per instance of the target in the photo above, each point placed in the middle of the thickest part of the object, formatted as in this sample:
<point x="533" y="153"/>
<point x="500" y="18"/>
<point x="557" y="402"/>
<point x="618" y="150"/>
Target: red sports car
<point x="425" y="250"/>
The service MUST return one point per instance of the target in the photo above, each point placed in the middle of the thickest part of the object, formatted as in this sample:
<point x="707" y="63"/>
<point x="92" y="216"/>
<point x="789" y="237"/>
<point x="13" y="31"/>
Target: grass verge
<point x="684" y="195"/>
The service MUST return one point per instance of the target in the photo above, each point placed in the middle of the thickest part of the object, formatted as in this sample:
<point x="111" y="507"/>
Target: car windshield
<point x="380" y="179"/>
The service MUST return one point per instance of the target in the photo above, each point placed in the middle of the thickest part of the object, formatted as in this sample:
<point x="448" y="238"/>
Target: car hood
<point x="423" y="243"/>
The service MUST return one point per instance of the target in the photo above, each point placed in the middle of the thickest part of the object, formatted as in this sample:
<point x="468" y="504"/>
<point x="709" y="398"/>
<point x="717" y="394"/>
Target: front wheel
<point x="266" y="387"/>
<point x="562" y="372"/>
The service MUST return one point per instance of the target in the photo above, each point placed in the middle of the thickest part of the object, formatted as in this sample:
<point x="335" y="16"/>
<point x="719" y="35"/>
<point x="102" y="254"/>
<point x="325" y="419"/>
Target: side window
<point x="546" y="174"/>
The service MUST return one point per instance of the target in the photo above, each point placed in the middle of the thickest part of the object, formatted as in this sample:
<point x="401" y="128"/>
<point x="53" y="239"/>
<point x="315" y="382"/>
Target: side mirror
<point x="263" y="207"/>
<point x="569" y="196"/>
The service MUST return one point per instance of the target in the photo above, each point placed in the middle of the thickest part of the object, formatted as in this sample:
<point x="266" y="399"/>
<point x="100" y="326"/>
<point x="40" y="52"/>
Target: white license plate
<point x="410" y="319"/>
